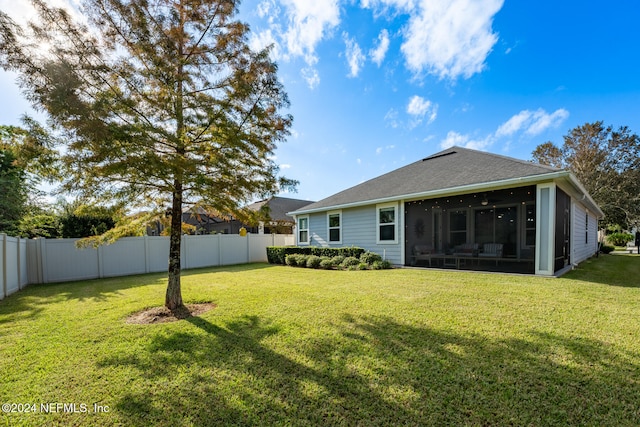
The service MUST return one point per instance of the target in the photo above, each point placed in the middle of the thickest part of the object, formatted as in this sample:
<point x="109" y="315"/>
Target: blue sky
<point x="377" y="84"/>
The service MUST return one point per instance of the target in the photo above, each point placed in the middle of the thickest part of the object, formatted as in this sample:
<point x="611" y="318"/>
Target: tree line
<point x="607" y="162"/>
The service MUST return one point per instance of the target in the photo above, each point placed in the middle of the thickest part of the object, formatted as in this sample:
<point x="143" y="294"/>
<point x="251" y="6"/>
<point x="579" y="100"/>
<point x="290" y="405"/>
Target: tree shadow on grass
<point x="375" y="371"/>
<point x="30" y="302"/>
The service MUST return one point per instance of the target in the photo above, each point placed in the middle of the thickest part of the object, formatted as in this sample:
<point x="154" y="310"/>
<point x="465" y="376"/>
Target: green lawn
<point x="288" y="346"/>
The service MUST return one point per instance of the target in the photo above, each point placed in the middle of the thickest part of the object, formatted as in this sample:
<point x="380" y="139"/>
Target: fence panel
<point x="258" y="246"/>
<point x="157" y="254"/>
<point x="24" y="262"/>
<point x="236" y="249"/>
<point x="201" y="251"/>
<point x="13" y="265"/>
<point x="123" y="258"/>
<point x="12" y="272"/>
<point x="63" y="262"/>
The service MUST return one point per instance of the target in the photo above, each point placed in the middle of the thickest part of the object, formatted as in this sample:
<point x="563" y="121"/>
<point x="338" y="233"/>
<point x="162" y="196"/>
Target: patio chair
<point x="422" y="253"/>
<point x="491" y="250"/>
<point x="466" y="249"/>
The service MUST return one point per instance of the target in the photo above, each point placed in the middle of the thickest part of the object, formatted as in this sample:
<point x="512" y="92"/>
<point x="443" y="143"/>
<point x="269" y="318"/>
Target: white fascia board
<point x="483" y="186"/>
<point x="585" y="196"/>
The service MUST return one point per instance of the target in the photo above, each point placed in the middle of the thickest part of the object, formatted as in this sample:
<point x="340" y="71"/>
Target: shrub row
<point x="366" y="261"/>
<point x="278" y="254"/>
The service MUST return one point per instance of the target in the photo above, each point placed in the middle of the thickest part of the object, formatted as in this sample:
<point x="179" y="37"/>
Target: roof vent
<point x="436" y="156"/>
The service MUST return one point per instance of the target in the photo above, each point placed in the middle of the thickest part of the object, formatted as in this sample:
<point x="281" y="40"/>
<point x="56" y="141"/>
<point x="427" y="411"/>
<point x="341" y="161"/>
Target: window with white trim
<point x="303" y="229"/>
<point x="334" y="221"/>
<point x="387" y="223"/>
<point x="586" y="228"/>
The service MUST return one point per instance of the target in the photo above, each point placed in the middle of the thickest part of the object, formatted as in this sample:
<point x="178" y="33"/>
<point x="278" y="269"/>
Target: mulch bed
<point x="164" y="315"/>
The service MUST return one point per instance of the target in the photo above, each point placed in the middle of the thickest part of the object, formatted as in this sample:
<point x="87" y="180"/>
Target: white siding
<point x="585" y="242"/>
<point x="359" y="229"/>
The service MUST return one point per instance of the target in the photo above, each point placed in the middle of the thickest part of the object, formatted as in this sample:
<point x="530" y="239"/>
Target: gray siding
<point x="359" y="229"/>
<point x="585" y="243"/>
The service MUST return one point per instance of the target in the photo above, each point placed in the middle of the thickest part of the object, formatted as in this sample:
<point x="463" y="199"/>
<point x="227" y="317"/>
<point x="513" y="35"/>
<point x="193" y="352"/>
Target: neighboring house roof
<point x="280" y="206"/>
<point x="278" y="209"/>
<point x="450" y="171"/>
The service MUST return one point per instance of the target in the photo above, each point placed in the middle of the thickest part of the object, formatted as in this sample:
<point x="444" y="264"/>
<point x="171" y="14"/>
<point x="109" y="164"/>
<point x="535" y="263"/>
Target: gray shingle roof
<point x="451" y="168"/>
<point x="279" y="206"/>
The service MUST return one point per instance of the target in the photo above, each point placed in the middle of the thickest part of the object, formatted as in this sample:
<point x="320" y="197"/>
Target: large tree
<point x="14" y="185"/>
<point x="607" y="163"/>
<point x="158" y="103"/>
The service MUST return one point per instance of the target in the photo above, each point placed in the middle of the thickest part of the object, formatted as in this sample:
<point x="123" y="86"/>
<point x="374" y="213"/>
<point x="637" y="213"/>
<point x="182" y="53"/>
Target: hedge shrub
<point x="370" y="257"/>
<point x="326" y="258"/>
<point x="619" y="239"/>
<point x="313" y="261"/>
<point x="605" y="249"/>
<point x="350" y="261"/>
<point x="278" y="254"/>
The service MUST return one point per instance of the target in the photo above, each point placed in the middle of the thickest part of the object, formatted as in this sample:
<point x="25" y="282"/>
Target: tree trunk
<point x="173" y="299"/>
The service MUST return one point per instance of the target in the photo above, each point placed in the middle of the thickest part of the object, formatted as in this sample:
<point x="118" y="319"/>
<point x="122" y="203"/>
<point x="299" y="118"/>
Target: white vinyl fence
<point x="59" y="260"/>
<point x="13" y="265"/>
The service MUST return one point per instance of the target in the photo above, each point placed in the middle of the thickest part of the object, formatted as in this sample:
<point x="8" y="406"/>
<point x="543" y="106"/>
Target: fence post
<point x="147" y="267"/>
<point x="100" y="254"/>
<point x="19" y="259"/>
<point x="3" y="237"/>
<point x="248" y="236"/>
<point x="184" y="256"/>
<point x="43" y="260"/>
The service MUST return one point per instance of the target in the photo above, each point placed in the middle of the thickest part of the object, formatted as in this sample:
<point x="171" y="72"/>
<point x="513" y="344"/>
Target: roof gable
<point x="450" y="168"/>
<point x="279" y="207"/>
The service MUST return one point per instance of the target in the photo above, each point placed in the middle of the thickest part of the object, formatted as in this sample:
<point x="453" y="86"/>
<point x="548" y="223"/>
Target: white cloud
<point x="379" y="150"/>
<point x="465" y="141"/>
<point x="384" y="6"/>
<point x="450" y="38"/>
<point x="262" y="39"/>
<point x="419" y="108"/>
<point x="446" y="38"/>
<point x="543" y="121"/>
<point x="514" y="124"/>
<point x="311" y="76"/>
<point x="298" y="30"/>
<point x="532" y="122"/>
<point x="527" y="122"/>
<point x="392" y="118"/>
<point x="355" y="57"/>
<point x="285" y="166"/>
<point x="377" y="55"/>
<point x="309" y="21"/>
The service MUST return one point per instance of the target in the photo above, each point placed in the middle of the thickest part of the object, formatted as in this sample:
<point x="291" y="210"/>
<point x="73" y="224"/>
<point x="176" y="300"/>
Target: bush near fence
<point x="278" y="254"/>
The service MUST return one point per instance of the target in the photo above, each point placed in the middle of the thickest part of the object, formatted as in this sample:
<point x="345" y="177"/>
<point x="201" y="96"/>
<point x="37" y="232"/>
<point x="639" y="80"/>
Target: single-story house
<point x="462" y="208"/>
<point x="275" y="209"/>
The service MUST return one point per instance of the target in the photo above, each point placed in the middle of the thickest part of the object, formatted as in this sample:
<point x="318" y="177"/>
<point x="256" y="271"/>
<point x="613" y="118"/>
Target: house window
<point x="303" y="229"/>
<point x="586" y="229"/>
<point x="387" y="223"/>
<point x="335" y="227"/>
<point x="458" y="227"/>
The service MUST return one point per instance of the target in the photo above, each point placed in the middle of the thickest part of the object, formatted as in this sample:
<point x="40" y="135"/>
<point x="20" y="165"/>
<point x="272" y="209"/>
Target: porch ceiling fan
<point x="486" y="200"/>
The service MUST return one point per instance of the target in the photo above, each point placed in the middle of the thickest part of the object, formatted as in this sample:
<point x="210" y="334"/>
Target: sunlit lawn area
<point x="288" y="346"/>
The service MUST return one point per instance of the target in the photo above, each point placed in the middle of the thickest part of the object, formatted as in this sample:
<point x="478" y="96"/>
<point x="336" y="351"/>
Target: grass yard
<point x="289" y="346"/>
